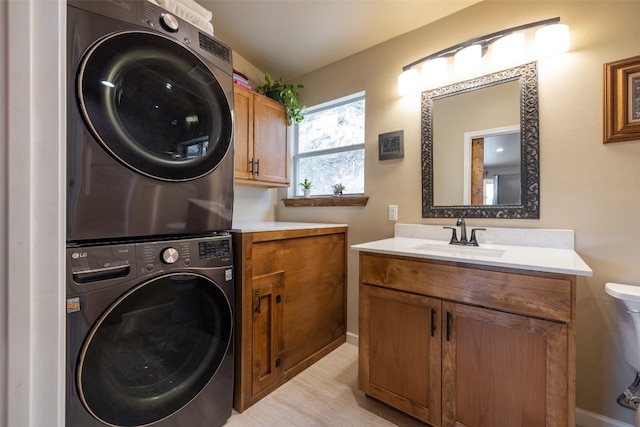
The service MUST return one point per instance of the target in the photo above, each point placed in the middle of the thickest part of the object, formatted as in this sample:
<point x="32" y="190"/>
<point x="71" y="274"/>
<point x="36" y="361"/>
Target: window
<point x="329" y="146"/>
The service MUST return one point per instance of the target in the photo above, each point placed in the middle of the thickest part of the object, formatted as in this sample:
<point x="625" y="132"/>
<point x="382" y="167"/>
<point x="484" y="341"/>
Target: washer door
<point x="154" y="350"/>
<point x="154" y="105"/>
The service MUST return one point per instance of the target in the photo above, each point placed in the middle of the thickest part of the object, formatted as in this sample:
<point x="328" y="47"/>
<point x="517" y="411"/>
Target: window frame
<point x="348" y="99"/>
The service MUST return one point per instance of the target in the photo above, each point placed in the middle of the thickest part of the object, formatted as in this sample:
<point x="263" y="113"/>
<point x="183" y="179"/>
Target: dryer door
<point x="154" y="105"/>
<point x="154" y="350"/>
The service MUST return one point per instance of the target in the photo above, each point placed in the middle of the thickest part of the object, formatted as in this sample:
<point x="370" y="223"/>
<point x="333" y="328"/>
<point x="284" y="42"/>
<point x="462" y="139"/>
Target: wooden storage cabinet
<point x="290" y="305"/>
<point x="429" y="350"/>
<point x="260" y="140"/>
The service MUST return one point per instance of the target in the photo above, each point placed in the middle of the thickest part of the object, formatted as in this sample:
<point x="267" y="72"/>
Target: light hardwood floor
<point x="325" y="394"/>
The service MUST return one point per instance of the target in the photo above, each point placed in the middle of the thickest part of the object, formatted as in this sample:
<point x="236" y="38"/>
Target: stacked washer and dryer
<point x="150" y="291"/>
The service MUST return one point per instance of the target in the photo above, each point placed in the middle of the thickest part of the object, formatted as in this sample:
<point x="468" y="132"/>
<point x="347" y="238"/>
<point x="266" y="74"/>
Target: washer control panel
<point x="95" y="266"/>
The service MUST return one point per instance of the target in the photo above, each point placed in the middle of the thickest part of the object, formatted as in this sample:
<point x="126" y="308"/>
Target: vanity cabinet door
<point x="501" y="369"/>
<point x="399" y="351"/>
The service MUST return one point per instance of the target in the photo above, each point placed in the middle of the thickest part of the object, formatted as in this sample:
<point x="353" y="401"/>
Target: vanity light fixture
<point x="507" y="49"/>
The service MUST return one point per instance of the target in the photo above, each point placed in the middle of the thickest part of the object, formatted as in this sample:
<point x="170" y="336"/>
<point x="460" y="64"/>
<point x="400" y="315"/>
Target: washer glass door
<point x="154" y="350"/>
<point x="154" y="105"/>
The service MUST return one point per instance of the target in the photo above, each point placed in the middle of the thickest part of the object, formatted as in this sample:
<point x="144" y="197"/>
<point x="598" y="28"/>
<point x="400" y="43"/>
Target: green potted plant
<point x="338" y="189"/>
<point x="285" y="94"/>
<point x="305" y="185"/>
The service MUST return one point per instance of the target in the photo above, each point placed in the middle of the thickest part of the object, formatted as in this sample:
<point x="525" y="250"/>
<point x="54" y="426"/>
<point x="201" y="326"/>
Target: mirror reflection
<point x="480" y="147"/>
<point x="468" y="128"/>
<point x="492" y="176"/>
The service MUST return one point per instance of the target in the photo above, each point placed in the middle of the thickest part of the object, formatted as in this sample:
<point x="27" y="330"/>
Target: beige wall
<point x="585" y="185"/>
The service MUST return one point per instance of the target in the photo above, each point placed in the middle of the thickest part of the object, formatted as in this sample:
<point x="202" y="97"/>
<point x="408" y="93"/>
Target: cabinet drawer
<point x="544" y="295"/>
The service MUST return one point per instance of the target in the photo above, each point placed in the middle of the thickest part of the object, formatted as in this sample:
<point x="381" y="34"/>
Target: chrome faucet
<point x="463" y="234"/>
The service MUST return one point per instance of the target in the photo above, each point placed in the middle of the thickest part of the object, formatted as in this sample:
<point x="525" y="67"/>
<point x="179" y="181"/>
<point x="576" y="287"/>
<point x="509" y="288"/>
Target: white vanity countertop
<point x="552" y="258"/>
<point x="253" y="227"/>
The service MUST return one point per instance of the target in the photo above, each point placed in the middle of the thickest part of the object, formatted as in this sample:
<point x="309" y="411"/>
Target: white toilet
<point x="627" y="304"/>
<point x="628" y="308"/>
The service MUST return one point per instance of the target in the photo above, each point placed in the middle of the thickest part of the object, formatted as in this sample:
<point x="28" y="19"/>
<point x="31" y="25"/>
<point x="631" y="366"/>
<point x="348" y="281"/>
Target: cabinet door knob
<point x="258" y="167"/>
<point x="448" y="326"/>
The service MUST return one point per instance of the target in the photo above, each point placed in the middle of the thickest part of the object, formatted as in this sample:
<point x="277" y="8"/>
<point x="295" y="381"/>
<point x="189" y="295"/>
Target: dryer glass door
<point x="154" y="105"/>
<point x="154" y="350"/>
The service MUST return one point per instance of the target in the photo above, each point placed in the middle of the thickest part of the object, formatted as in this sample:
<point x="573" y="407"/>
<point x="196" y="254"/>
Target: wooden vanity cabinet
<point x="290" y="305"/>
<point x="467" y="346"/>
<point x="260" y="140"/>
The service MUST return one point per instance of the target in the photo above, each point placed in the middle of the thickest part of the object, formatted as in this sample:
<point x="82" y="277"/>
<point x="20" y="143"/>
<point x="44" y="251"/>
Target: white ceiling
<point x="508" y="156"/>
<point x="289" y="38"/>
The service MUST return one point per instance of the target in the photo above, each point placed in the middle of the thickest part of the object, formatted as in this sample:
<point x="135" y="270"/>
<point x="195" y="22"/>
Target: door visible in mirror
<point x="494" y="161"/>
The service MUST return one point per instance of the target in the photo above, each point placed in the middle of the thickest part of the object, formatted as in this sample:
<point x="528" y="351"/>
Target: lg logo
<point x="77" y="255"/>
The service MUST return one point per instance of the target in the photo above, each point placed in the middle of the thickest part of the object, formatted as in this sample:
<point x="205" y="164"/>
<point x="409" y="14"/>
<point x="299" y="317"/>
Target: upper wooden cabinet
<point x="261" y="142"/>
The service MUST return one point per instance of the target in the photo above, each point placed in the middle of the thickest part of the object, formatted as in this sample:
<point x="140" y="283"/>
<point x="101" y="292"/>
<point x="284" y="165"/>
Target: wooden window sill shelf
<point x="326" y="201"/>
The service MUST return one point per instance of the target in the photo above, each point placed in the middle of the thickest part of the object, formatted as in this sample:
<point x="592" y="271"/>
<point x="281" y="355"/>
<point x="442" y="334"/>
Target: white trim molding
<point x="33" y="107"/>
<point x="591" y="419"/>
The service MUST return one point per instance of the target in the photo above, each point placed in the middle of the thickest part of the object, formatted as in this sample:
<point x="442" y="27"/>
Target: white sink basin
<point x="461" y="251"/>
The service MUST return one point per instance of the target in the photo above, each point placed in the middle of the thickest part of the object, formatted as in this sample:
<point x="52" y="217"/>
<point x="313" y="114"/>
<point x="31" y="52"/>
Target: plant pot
<point x="275" y="95"/>
<point x="307" y="193"/>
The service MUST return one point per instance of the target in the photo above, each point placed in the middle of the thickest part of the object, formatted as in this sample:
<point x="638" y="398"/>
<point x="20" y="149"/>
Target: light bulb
<point x="552" y="40"/>
<point x="468" y="60"/>
<point x="434" y="72"/>
<point x="408" y="82"/>
<point x="508" y="50"/>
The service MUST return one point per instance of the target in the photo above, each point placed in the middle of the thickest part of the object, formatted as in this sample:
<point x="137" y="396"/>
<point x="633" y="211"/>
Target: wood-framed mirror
<point x="480" y="147"/>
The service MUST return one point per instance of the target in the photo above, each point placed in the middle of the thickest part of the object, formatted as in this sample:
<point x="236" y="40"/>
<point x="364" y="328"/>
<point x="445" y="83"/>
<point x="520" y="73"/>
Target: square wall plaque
<point x="391" y="145"/>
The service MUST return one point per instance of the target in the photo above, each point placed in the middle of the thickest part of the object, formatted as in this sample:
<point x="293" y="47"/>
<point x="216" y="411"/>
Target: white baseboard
<point x="352" y="338"/>
<point x="591" y="419"/>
